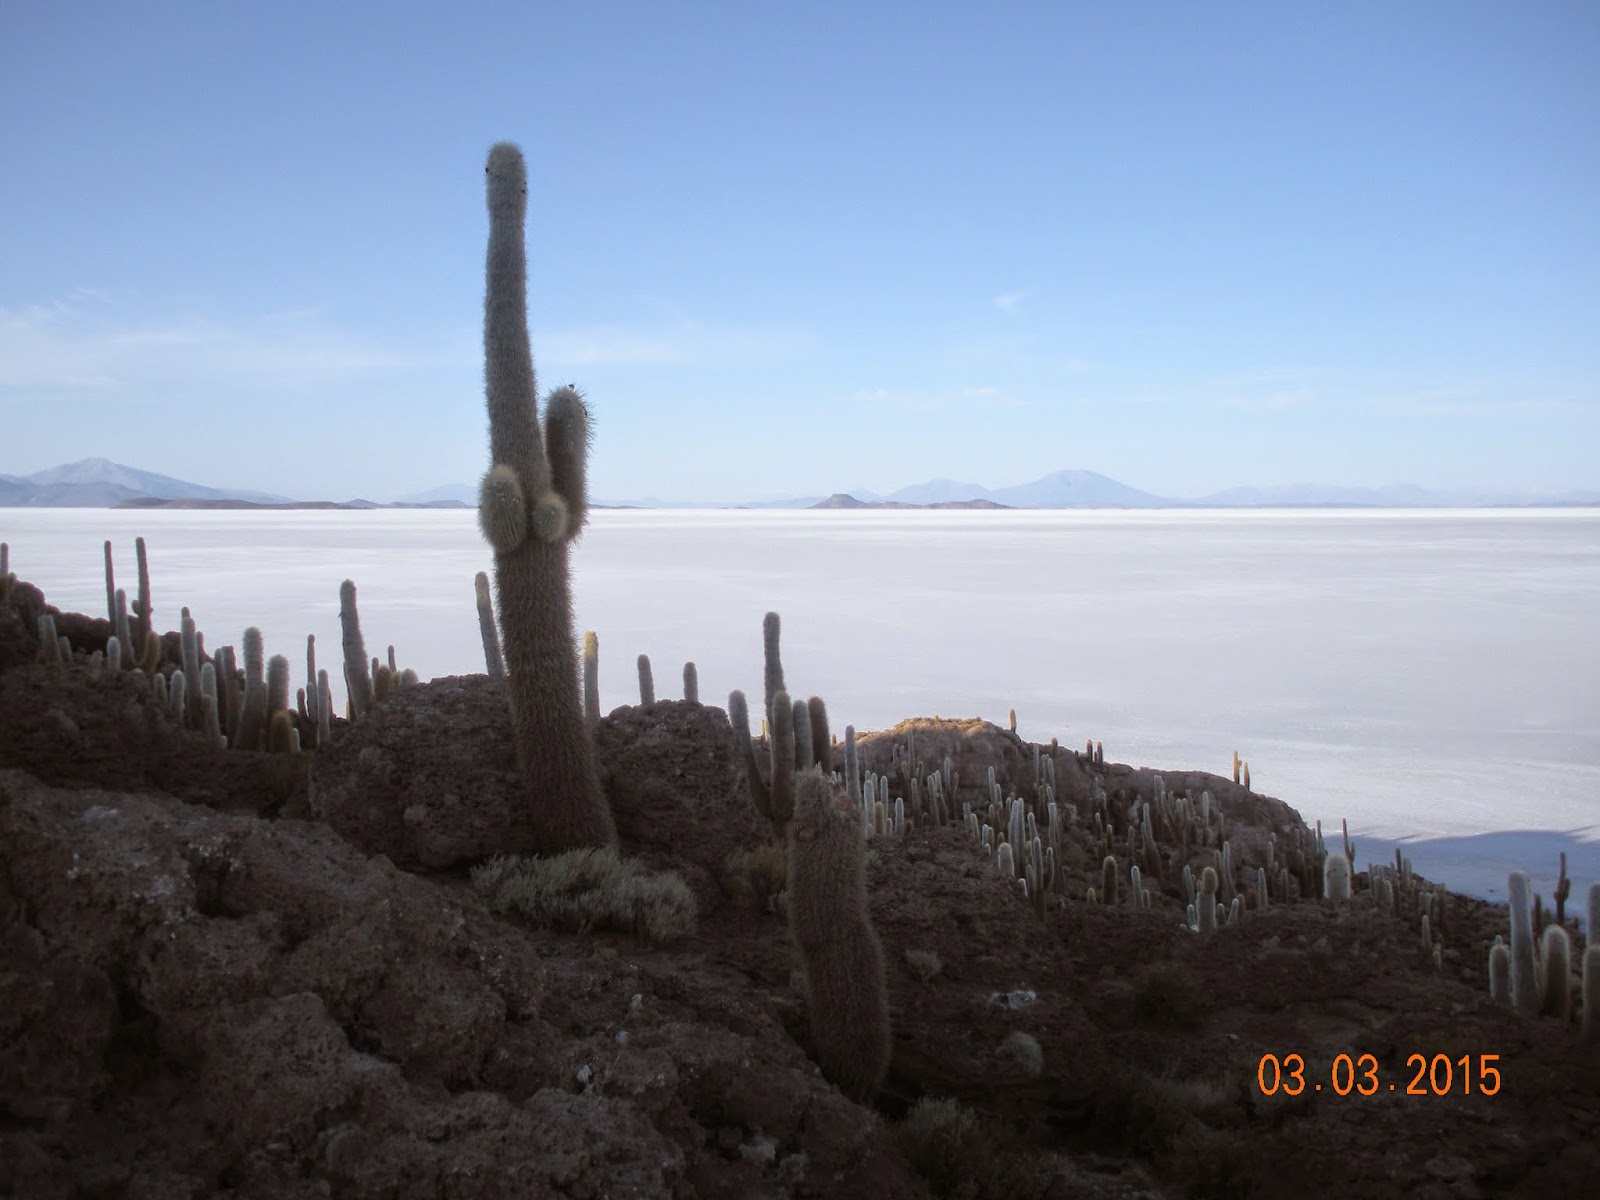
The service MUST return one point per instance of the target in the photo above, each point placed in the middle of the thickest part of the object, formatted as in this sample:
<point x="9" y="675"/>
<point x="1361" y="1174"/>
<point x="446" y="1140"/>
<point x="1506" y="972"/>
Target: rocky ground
<point x="269" y="975"/>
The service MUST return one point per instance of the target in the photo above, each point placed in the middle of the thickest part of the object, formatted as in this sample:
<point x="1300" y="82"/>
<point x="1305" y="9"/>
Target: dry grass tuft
<point x="924" y="964"/>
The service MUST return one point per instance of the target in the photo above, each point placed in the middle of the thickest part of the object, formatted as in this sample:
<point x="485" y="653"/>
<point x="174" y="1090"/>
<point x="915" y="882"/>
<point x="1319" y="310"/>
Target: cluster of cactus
<point x="1205" y="911"/>
<point x="1533" y="973"/>
<point x="1024" y="837"/>
<point x="1241" y="771"/>
<point x="847" y="995"/>
<point x="929" y="795"/>
<point x="795" y="736"/>
<point x="243" y="707"/>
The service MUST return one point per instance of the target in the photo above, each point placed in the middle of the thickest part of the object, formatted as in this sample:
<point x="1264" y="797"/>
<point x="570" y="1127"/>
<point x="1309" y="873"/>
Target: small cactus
<point x="1500" y="972"/>
<point x="647" y="681"/>
<point x="1555" y="962"/>
<point x="1206" y="903"/>
<point x="1524" y="979"/>
<point x="691" y="683"/>
<point x="493" y="663"/>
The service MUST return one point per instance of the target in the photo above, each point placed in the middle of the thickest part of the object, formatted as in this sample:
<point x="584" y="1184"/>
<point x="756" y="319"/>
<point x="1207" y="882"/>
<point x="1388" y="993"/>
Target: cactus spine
<point x="846" y="988"/>
<point x="492" y="661"/>
<point x="1524" y="979"/>
<point x="541" y="481"/>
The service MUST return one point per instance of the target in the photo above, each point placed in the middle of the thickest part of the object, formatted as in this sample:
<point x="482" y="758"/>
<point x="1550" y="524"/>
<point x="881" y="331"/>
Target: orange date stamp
<point x="1424" y="1075"/>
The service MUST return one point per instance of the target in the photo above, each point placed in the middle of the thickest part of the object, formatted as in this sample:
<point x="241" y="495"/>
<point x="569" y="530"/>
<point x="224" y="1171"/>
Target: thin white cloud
<point x="1007" y="301"/>
<point x="70" y="344"/>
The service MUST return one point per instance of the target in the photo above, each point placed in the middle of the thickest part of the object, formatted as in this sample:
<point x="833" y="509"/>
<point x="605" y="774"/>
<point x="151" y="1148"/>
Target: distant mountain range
<point x="100" y="483"/>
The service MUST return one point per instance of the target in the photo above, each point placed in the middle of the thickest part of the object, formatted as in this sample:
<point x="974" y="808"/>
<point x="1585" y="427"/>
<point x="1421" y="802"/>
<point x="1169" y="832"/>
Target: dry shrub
<point x="1167" y="995"/>
<point x="588" y="889"/>
<point x="761" y="874"/>
<point x="1022" y="1053"/>
<point x="960" y="1153"/>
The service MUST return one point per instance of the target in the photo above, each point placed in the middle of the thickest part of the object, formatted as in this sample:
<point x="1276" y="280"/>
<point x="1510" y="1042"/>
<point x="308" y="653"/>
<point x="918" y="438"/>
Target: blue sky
<point x="799" y="249"/>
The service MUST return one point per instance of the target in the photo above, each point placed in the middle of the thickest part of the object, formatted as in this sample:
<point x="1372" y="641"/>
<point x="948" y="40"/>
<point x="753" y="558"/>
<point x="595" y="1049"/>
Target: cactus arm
<point x="568" y="437"/>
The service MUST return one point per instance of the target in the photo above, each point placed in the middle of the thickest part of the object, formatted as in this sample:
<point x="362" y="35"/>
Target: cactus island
<point x="500" y="935"/>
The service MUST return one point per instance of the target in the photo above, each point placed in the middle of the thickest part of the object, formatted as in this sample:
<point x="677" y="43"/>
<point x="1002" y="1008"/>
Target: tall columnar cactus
<point x="357" y="668"/>
<point x="1591" y="990"/>
<point x="647" y="681"/>
<point x="1336" y="877"/>
<point x="847" y="992"/>
<point x="772" y="679"/>
<point x="111" y="589"/>
<point x="533" y="504"/>
<point x="277" y="684"/>
<point x="1108" y="881"/>
<point x="591" y="680"/>
<point x="803" y="746"/>
<point x="821" y="739"/>
<point x="141" y="608"/>
<point x="324" y="709"/>
<point x="852" y="766"/>
<point x="691" y="683"/>
<point x="250" y="731"/>
<point x="124" y="630"/>
<point x="1524" y="977"/>
<point x="493" y="663"/>
<point x="189" y="641"/>
<point x="310" y="692"/>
